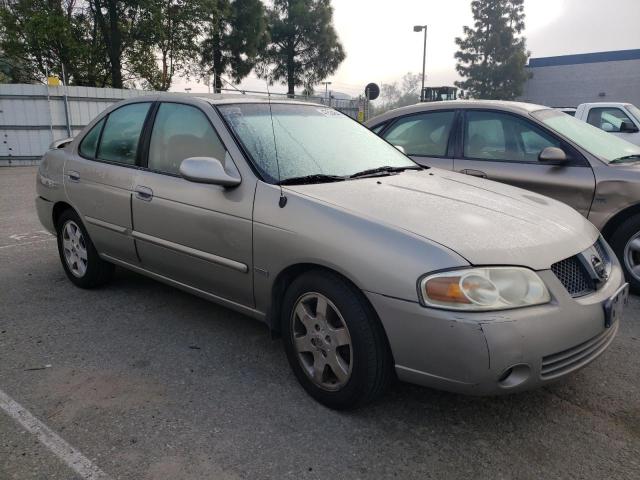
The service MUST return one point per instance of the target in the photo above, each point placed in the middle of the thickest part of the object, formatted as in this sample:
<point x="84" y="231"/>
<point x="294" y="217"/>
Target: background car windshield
<point x="310" y="140"/>
<point x="605" y="146"/>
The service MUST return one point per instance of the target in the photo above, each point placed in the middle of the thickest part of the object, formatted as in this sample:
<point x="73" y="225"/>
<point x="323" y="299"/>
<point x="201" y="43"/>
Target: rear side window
<point x="89" y="143"/>
<point x="121" y="134"/>
<point x="180" y="132"/>
<point x="378" y="128"/>
<point x="426" y="134"/>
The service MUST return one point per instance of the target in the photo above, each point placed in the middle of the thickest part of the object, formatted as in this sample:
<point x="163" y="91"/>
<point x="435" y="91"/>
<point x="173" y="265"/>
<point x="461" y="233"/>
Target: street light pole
<point x="419" y="28"/>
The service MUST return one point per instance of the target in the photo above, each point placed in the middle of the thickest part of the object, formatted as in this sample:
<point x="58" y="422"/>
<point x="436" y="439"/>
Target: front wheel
<point x="79" y="257"/>
<point x="625" y="242"/>
<point x="334" y="341"/>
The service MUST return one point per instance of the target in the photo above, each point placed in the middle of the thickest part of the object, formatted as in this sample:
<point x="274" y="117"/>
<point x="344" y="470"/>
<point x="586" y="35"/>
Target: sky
<point x="381" y="45"/>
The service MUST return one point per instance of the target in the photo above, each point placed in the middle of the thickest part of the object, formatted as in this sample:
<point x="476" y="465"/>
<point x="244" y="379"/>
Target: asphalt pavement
<point x="147" y="382"/>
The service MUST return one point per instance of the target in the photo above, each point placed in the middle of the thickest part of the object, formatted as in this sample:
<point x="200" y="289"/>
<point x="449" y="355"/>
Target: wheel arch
<point x="58" y="208"/>
<point x="618" y="219"/>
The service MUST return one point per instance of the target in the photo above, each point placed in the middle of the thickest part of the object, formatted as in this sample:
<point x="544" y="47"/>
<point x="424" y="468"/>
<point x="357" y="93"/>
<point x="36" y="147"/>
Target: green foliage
<point x="235" y="35"/>
<point x="304" y="48"/>
<point x="39" y="37"/>
<point x="492" y="56"/>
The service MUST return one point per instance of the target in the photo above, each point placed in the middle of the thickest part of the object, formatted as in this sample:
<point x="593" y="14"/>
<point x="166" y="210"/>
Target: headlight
<point x="486" y="288"/>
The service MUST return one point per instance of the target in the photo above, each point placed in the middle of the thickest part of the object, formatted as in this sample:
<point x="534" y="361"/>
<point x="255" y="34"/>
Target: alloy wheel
<point x="322" y="341"/>
<point x="74" y="248"/>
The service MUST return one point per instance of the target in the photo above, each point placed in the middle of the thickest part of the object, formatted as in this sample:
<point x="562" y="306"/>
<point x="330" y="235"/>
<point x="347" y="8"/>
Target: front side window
<point x="180" y="132"/>
<point x="121" y="134"/>
<point x="597" y="142"/>
<point x="499" y="136"/>
<point x="89" y="143"/>
<point x="426" y="134"/>
<point x="309" y="140"/>
<point x="608" y="119"/>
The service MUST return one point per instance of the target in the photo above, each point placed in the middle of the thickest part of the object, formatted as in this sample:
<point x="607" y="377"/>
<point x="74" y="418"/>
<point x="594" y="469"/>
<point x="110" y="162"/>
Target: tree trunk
<point x="291" y="74"/>
<point x="115" y="49"/>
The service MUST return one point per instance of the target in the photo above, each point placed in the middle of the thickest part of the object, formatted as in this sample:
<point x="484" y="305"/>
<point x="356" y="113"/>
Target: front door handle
<point x="144" y="193"/>
<point x="73" y="176"/>
<point x="474" y="173"/>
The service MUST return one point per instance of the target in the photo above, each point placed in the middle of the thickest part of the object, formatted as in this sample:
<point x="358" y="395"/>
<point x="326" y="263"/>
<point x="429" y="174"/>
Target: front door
<point x="611" y="119"/>
<point x="197" y="234"/>
<point x="99" y="179"/>
<point x="505" y="147"/>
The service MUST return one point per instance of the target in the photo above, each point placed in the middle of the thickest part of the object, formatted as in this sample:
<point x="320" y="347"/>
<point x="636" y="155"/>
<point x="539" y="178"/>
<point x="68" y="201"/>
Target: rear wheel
<point x="334" y="341"/>
<point x="79" y="258"/>
<point x="625" y="242"/>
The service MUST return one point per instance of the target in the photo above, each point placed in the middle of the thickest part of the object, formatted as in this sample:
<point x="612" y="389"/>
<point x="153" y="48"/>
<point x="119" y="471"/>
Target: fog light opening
<point x="514" y="376"/>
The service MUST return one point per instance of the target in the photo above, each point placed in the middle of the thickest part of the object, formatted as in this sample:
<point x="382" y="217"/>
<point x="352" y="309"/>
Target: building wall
<point x="571" y="85"/>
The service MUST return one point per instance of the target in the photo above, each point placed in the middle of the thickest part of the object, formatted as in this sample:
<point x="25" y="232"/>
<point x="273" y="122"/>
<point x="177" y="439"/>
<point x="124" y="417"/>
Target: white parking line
<point x="26" y="243"/>
<point x="61" y="449"/>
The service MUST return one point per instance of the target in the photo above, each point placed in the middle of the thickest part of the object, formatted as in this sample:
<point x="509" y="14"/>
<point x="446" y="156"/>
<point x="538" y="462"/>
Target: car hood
<point x="483" y="221"/>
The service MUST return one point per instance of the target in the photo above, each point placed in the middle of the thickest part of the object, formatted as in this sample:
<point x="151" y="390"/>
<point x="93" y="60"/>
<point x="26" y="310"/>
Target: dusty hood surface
<point x="485" y="222"/>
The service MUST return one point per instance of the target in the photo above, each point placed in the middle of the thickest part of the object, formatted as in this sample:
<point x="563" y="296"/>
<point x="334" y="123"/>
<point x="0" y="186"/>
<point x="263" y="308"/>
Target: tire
<point x="364" y="365"/>
<point x="626" y="236"/>
<point x="79" y="257"/>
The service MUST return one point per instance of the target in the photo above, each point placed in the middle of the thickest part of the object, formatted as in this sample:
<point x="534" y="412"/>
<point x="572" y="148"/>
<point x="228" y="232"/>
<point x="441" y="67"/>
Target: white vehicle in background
<point x="620" y="119"/>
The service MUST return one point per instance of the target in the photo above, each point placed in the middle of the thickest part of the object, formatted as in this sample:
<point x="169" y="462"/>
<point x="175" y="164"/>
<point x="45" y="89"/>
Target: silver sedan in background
<point x="368" y="265"/>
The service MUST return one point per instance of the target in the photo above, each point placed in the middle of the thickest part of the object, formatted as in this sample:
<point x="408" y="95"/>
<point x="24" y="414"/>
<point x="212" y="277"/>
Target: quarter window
<point x="180" y="132"/>
<point x="121" y="134"/>
<point x="498" y="136"/>
<point x="90" y="141"/>
<point x="426" y="134"/>
<point x="608" y="119"/>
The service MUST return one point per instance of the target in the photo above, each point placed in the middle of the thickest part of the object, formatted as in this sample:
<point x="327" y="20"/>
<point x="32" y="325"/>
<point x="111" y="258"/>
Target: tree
<point x="166" y="41"/>
<point x="492" y="56"/>
<point x="406" y="93"/>
<point x="235" y="36"/>
<point x="40" y="37"/>
<point x="304" y="48"/>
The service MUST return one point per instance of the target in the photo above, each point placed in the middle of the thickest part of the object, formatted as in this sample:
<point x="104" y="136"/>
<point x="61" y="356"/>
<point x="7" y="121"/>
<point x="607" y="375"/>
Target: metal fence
<point x="33" y="116"/>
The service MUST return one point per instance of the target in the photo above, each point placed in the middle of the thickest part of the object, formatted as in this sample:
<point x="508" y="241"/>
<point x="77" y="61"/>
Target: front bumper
<point x="488" y="353"/>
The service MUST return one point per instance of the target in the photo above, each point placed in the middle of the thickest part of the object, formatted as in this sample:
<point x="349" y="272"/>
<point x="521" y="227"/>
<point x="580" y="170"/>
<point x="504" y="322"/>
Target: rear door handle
<point x="73" y="176"/>
<point x="144" y="193"/>
<point x="474" y="173"/>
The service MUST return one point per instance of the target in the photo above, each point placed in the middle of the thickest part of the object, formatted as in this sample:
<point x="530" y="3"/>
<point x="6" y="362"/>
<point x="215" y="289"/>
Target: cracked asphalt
<point x="152" y="383"/>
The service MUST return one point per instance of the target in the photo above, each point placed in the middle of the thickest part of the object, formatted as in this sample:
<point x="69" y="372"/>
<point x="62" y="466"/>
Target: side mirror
<point x="207" y="170"/>
<point x="552" y="154"/>
<point x="628" y="127"/>
<point x="401" y="148"/>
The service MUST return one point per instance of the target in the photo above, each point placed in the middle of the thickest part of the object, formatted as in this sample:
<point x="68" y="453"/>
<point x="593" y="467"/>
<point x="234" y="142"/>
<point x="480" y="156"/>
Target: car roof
<point x="216" y="99"/>
<point x="514" y="107"/>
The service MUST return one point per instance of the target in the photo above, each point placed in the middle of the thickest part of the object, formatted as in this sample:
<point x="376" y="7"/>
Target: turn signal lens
<point x="489" y="288"/>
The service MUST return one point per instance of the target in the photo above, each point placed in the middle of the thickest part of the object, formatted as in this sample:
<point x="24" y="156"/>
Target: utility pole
<point x="419" y="28"/>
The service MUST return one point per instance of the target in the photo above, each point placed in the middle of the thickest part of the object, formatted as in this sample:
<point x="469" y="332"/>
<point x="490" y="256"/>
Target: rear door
<point x="197" y="234"/>
<point x="99" y="178"/>
<point x="425" y="137"/>
<point x="505" y="147"/>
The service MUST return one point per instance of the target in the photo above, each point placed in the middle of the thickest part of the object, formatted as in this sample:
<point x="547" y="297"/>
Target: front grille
<point x="573" y="358"/>
<point x="573" y="276"/>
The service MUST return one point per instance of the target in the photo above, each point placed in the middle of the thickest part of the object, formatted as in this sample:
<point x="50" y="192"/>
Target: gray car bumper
<point x="498" y="352"/>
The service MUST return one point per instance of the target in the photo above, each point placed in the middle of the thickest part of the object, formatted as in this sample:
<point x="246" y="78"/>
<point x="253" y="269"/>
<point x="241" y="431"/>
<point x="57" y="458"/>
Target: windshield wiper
<point x="315" y="178"/>
<point x="387" y="170"/>
<point x="625" y="158"/>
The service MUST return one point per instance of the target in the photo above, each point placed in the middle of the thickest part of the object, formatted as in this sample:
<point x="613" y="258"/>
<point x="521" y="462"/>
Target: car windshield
<point x="310" y="140"/>
<point x="635" y="111"/>
<point x="604" y="145"/>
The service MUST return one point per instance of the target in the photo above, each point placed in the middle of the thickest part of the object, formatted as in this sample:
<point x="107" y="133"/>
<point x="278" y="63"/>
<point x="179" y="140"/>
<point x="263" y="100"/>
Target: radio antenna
<point x="283" y="200"/>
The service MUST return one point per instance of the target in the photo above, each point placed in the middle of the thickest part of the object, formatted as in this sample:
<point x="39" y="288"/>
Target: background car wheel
<point x="80" y="260"/>
<point x="625" y="242"/>
<point x="334" y="341"/>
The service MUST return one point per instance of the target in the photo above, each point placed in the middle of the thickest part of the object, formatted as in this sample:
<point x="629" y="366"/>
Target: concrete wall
<point x="32" y="116"/>
<point x="571" y="85"/>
